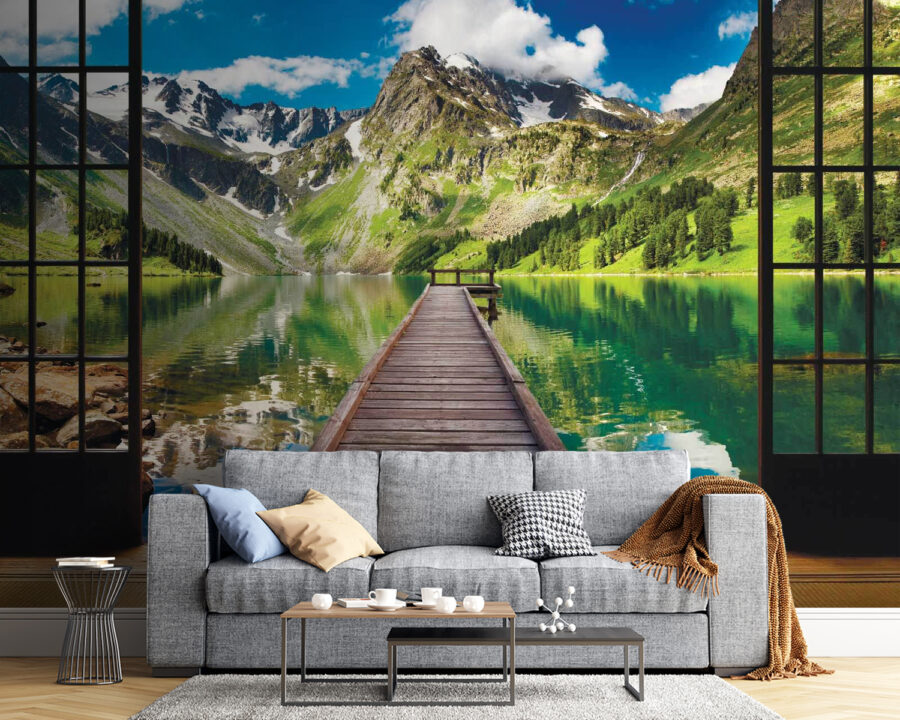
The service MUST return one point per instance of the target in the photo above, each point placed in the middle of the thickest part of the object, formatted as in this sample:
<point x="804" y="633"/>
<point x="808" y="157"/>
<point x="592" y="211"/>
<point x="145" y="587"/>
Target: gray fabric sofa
<point x="206" y="608"/>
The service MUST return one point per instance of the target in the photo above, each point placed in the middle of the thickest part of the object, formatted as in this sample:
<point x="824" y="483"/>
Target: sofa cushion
<point x="461" y="570"/>
<point x="538" y="525"/>
<point x="283" y="478"/>
<point x="273" y="586"/>
<point x="603" y="585"/>
<point x="623" y="488"/>
<point x="440" y="498"/>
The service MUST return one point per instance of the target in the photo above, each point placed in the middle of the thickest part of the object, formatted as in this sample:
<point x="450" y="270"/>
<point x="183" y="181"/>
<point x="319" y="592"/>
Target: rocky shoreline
<point x="56" y="402"/>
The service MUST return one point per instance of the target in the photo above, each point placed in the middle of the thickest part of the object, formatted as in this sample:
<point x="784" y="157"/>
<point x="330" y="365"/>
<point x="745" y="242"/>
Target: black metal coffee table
<point x="625" y="637"/>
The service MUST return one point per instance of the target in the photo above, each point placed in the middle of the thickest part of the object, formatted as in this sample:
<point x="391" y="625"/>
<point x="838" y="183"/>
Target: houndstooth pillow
<point x="540" y="525"/>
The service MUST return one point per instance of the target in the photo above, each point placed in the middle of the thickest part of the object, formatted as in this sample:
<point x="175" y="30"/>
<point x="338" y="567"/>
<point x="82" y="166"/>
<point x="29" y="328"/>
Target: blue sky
<point x="662" y="53"/>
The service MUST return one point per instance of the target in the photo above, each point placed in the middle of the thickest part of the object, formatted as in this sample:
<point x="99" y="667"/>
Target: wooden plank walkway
<point x="441" y="381"/>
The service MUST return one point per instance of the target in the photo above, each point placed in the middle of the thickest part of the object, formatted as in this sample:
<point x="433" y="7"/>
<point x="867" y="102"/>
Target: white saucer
<point x="387" y="608"/>
<point x="425" y="606"/>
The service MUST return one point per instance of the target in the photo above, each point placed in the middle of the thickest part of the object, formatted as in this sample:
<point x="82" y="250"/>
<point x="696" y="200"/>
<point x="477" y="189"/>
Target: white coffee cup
<point x="322" y="601"/>
<point x="446" y="604"/>
<point x="384" y="596"/>
<point x="430" y="595"/>
<point x="473" y="603"/>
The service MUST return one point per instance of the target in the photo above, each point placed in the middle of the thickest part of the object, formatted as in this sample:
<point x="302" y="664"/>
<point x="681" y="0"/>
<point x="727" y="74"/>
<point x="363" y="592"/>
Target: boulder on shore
<point x="12" y="418"/>
<point x="100" y="430"/>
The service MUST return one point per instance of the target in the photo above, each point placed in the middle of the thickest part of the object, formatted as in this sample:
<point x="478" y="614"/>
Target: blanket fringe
<point x="693" y="579"/>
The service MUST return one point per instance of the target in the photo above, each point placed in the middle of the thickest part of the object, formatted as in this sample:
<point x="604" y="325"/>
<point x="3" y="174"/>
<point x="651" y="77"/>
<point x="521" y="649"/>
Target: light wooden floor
<point x="861" y="689"/>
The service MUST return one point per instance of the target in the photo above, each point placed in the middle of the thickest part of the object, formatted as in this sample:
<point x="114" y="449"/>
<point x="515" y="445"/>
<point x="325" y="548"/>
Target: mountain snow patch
<point x="535" y="112"/>
<point x="461" y="61"/>
<point x="230" y="197"/>
<point x="354" y="137"/>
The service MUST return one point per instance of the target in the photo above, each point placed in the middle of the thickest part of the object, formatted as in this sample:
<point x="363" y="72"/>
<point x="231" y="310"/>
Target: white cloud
<point x="691" y="90"/>
<point x="58" y="25"/>
<point x="288" y="76"/>
<point x="505" y="36"/>
<point x="737" y="24"/>
<point x="258" y="18"/>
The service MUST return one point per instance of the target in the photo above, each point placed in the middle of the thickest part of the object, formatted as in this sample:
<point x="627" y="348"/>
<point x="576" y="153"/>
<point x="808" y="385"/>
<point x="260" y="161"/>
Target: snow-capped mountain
<point x="548" y="100"/>
<point x="59" y="87"/>
<point x="194" y="106"/>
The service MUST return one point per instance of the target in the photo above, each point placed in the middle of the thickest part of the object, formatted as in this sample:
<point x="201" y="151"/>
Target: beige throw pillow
<point x="320" y="532"/>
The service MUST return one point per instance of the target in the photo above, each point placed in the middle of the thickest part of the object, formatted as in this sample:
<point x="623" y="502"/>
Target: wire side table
<point x="90" y="651"/>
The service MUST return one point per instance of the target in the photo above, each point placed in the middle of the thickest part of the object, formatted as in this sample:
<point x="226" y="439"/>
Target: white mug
<point x="322" y="601"/>
<point x="430" y="595"/>
<point x="473" y="603"/>
<point x="446" y="604"/>
<point x="384" y="596"/>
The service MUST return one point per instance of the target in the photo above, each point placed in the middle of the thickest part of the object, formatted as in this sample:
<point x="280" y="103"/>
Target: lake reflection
<point x="617" y="363"/>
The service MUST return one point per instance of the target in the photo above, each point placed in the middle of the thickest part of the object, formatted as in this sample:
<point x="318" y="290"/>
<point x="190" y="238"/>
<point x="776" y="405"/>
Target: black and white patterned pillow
<point x="540" y="525"/>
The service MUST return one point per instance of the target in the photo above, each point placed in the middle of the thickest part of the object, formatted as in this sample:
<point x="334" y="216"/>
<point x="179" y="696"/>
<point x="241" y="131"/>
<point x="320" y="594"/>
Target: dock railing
<point x="459" y="273"/>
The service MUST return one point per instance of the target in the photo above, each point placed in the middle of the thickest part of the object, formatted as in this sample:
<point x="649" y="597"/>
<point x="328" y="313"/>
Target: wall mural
<point x="285" y="240"/>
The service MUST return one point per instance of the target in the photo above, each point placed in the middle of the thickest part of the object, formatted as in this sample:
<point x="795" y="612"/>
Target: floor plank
<point x="860" y="689"/>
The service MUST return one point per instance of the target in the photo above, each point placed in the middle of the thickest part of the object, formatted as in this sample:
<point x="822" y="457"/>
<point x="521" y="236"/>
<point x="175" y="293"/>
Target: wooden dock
<point x="441" y="381"/>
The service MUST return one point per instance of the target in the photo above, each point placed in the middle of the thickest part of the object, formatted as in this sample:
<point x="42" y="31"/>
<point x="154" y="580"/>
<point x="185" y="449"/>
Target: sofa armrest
<point x="178" y="555"/>
<point x="735" y="527"/>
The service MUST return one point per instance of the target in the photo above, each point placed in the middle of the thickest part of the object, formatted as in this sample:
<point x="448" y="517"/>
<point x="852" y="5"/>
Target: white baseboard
<point x="851" y="632"/>
<point x="39" y="632"/>
<point x="829" y="632"/>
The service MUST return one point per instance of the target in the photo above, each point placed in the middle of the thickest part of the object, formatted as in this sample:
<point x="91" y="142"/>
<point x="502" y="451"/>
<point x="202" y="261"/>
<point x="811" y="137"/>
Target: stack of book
<point x="86" y="562"/>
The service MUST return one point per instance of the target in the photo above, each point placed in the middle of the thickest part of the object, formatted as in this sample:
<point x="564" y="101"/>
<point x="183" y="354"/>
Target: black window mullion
<point x="765" y="278"/>
<point x="32" y="220"/>
<point x="869" y="224"/>
<point x="819" y="130"/>
<point x="82" y="157"/>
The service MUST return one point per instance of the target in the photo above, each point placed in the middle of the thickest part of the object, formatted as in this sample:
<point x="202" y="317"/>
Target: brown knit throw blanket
<point x="672" y="541"/>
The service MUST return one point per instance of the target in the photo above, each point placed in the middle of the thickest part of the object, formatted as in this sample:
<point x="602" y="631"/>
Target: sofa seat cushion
<point x="603" y="585"/>
<point x="273" y="586"/>
<point x="461" y="570"/>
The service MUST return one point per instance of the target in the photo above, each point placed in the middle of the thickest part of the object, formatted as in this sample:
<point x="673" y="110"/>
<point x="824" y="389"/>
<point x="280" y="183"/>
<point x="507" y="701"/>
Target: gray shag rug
<point x="538" y="697"/>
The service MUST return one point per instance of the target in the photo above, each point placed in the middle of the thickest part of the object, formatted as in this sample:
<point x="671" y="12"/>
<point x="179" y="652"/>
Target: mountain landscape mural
<point x="259" y="203"/>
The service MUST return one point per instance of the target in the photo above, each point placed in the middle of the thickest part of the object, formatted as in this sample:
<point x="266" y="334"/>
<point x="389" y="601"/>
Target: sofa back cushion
<point x="440" y="498"/>
<point x="283" y="478"/>
<point x="623" y="488"/>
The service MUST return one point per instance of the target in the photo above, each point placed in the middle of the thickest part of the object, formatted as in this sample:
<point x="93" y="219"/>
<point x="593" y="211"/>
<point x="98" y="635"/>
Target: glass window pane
<point x="106" y="312"/>
<point x="107" y="106"/>
<point x="107" y="31"/>
<point x="793" y="120"/>
<point x="57" y="215"/>
<point x="13" y="405"/>
<point x="13" y="215"/>
<point x="844" y="314"/>
<point x="106" y="215"/>
<point x="13" y="313"/>
<point x="793" y="409"/>
<point x="106" y="397"/>
<point x="842" y="117"/>
<point x="792" y="43"/>
<point x="887" y="409"/>
<point x="57" y="314"/>
<point x="843" y="26"/>
<point x="793" y="298"/>
<point x="793" y="215"/>
<point x="14" y="32"/>
<point x="843" y="229"/>
<point x="57" y="27"/>
<point x="844" y="409"/>
<point x="887" y="315"/>
<point x="885" y="125"/>
<point x="886" y="33"/>
<point x="14" y="116"/>
<point x="57" y="119"/>
<point x="886" y="216"/>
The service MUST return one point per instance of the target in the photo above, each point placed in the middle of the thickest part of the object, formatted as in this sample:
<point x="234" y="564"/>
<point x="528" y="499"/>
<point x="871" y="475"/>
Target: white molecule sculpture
<point x="556" y="623"/>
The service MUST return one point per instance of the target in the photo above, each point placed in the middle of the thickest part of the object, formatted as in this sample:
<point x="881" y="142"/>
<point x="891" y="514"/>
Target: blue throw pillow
<point x="234" y="512"/>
